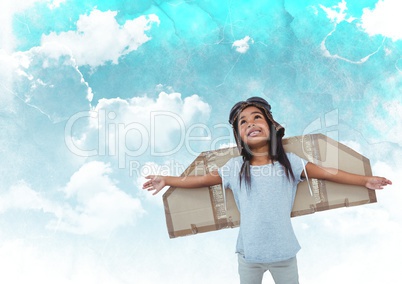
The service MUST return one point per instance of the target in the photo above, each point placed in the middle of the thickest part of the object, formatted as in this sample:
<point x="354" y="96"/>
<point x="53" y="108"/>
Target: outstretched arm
<point x="157" y="183"/>
<point x="339" y="176"/>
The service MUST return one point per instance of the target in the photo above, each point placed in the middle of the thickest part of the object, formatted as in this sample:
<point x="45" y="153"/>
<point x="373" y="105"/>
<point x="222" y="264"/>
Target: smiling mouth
<point x="253" y="133"/>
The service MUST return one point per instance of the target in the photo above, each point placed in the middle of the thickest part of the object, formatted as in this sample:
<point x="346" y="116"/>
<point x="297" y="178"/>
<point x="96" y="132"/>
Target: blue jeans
<point x="283" y="272"/>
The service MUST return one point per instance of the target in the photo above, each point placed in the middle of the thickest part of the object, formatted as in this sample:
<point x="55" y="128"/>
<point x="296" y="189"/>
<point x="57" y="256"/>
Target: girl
<point x="264" y="181"/>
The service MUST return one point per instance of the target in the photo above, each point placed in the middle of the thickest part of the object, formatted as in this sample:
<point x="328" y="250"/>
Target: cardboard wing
<point x="192" y="211"/>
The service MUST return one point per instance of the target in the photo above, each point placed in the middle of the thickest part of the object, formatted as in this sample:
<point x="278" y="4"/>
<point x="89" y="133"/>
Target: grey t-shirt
<point x="266" y="233"/>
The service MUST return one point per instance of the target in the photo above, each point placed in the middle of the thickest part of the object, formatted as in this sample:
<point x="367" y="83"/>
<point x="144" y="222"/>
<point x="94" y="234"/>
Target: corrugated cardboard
<point x="192" y="211"/>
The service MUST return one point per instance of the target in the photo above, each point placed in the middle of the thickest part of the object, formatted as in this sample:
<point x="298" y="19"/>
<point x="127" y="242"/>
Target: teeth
<point x="254" y="133"/>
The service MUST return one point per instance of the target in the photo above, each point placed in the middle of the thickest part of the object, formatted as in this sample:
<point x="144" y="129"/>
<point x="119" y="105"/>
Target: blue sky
<point x="96" y="94"/>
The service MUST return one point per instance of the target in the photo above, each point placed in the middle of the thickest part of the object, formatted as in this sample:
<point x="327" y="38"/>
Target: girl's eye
<point x="242" y="122"/>
<point x="257" y="116"/>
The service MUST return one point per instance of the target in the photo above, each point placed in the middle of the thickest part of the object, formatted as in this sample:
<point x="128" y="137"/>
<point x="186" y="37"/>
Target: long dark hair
<point x="276" y="150"/>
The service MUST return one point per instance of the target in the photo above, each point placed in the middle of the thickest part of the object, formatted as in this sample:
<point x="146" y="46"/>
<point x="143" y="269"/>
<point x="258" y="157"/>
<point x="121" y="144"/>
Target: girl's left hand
<point x="377" y="182"/>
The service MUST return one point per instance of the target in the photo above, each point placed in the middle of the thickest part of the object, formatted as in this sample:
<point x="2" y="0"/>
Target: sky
<point x="97" y="94"/>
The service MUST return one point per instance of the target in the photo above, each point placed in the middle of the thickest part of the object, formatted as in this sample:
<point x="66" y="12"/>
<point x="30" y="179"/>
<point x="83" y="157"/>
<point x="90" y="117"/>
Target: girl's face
<point x="253" y="127"/>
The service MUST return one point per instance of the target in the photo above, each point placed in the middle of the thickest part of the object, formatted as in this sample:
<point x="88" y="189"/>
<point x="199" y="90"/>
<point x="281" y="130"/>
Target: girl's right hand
<point x="154" y="183"/>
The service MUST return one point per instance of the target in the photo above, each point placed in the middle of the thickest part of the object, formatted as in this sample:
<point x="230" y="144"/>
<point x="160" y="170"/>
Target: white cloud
<point x="360" y="241"/>
<point x="100" y="206"/>
<point x="242" y="45"/>
<point x="363" y="241"/>
<point x="94" y="204"/>
<point x="227" y="145"/>
<point x="7" y="65"/>
<point x="390" y="197"/>
<point x="25" y="262"/>
<point x="353" y="145"/>
<point x="337" y="13"/>
<point x="389" y="123"/>
<point x="99" y="38"/>
<point x="133" y="127"/>
<point x="384" y="19"/>
<point x="21" y="197"/>
<point x="148" y="259"/>
<point x="53" y="4"/>
<point x="7" y="40"/>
